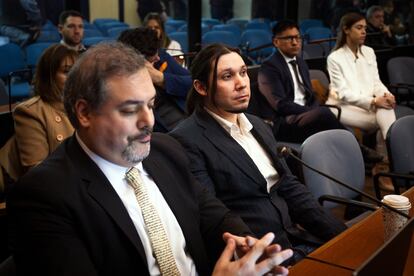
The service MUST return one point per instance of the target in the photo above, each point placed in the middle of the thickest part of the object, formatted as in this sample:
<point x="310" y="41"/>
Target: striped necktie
<point x="157" y="235"/>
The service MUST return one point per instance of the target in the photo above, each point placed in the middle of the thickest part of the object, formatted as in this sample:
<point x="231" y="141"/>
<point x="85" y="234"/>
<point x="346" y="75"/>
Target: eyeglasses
<point x="290" y="38"/>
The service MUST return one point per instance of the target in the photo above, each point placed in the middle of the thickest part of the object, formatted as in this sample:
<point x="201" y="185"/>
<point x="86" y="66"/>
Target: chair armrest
<point x="346" y="201"/>
<point x="401" y="85"/>
<point x="395" y="87"/>
<point x="19" y="73"/>
<point x="391" y="175"/>
<point x="335" y="106"/>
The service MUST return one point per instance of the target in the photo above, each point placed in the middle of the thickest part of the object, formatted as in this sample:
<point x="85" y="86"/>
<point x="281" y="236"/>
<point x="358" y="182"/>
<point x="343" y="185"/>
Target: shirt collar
<point x="287" y="59"/>
<point x="78" y="48"/>
<point x="243" y="127"/>
<point x="108" y="168"/>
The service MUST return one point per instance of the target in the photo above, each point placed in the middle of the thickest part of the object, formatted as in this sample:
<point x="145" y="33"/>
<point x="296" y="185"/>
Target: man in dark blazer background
<point x="75" y="214"/>
<point x="234" y="155"/>
<point x="285" y="82"/>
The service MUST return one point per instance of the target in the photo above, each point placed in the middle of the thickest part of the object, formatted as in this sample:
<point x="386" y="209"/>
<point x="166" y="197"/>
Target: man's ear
<point x="275" y="42"/>
<point x="82" y="111"/>
<point x="200" y="87"/>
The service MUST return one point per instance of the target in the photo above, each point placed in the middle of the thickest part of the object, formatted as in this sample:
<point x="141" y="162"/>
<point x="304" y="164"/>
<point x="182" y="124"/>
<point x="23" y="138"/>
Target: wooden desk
<point x="351" y="248"/>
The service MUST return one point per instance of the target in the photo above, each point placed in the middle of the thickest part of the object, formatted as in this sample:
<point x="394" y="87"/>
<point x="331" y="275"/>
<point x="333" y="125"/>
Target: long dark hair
<point x="44" y="81"/>
<point x="165" y="40"/>
<point x="347" y="21"/>
<point x="204" y="67"/>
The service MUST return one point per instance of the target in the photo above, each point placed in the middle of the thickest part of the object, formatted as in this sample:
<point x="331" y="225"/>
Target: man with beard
<point x="105" y="204"/>
<point x="71" y="29"/>
<point x="234" y="155"/>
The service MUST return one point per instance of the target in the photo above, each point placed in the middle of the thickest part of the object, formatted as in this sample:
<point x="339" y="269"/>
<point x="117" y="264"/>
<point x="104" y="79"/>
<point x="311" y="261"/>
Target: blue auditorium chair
<point x="115" y="32"/>
<point x="105" y="27"/>
<point x="14" y="72"/>
<point x="400" y="148"/>
<point x="204" y="28"/>
<point x="91" y="33"/>
<point x="176" y="23"/>
<point x="317" y="33"/>
<point x="182" y="38"/>
<point x="228" y="27"/>
<point x="239" y="22"/>
<point x="224" y="37"/>
<point x="98" y="22"/>
<point x="305" y="24"/>
<point x="335" y="152"/>
<point x="257" y="25"/>
<point x="251" y="39"/>
<point x="34" y="51"/>
<point x="49" y="36"/>
<point x="90" y="41"/>
<point x="210" y="22"/>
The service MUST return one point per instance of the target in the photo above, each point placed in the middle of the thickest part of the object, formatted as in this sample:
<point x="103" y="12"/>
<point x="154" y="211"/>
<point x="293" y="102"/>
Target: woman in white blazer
<point x="355" y="84"/>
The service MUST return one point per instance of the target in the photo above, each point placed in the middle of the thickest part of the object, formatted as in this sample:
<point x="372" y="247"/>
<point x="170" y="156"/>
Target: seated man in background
<point x="378" y="34"/>
<point x="105" y="204"/>
<point x="284" y="81"/>
<point x="20" y="21"/>
<point x="71" y="29"/>
<point x="234" y="155"/>
<point x="171" y="80"/>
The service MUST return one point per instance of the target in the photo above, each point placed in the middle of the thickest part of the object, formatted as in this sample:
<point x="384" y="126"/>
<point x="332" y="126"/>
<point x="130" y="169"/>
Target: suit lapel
<point x="224" y="143"/>
<point x="102" y="192"/>
<point x="305" y="80"/>
<point x="285" y="68"/>
<point x="267" y="142"/>
<point x="166" y="180"/>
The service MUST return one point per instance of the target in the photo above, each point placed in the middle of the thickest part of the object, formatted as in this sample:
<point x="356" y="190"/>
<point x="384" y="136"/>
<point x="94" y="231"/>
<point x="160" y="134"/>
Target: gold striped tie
<point x="158" y="237"/>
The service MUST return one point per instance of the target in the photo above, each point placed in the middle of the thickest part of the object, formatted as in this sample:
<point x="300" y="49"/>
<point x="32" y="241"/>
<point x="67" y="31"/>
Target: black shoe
<point x="370" y="155"/>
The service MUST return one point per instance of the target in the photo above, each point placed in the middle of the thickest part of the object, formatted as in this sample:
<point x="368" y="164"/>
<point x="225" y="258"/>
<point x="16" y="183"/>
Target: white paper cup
<point x="393" y="221"/>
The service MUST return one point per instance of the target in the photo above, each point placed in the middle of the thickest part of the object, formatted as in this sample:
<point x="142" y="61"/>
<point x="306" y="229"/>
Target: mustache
<point x="143" y="132"/>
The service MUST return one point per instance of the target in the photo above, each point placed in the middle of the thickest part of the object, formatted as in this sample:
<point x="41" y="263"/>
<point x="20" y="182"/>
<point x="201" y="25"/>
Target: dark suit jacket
<point x="66" y="218"/>
<point x="275" y="81"/>
<point x="170" y="100"/>
<point x="221" y="164"/>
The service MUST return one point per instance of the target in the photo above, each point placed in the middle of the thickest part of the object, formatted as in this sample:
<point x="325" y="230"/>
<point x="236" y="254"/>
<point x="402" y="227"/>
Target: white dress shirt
<point x="116" y="176"/>
<point x="248" y="142"/>
<point x="299" y="90"/>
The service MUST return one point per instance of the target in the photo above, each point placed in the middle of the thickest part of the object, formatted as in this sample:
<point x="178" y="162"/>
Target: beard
<point x="237" y="110"/>
<point x="136" y="151"/>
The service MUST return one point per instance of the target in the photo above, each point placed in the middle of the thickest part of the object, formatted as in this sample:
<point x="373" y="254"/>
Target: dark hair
<point x="49" y="63"/>
<point x="284" y="25"/>
<point x="204" y="68"/>
<point x="65" y="14"/>
<point x="347" y="21"/>
<point x="87" y="78"/>
<point x="165" y="40"/>
<point x="142" y="39"/>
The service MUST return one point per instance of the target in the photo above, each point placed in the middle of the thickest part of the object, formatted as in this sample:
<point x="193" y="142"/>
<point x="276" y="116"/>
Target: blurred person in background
<point x="153" y="21"/>
<point x="170" y="79"/>
<point x="20" y="20"/>
<point x="379" y="33"/>
<point x="71" y="29"/>
<point x="41" y="123"/>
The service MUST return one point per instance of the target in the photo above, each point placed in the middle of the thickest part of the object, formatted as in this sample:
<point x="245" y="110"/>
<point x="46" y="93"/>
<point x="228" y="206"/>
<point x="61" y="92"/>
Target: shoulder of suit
<point x="188" y="123"/>
<point x="37" y="106"/>
<point x="36" y="100"/>
<point x="254" y="120"/>
<point x="367" y="50"/>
